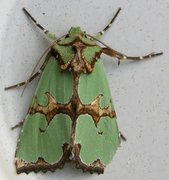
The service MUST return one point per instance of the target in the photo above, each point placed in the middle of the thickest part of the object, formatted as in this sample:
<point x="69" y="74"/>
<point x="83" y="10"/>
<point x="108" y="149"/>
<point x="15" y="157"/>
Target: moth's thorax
<point x="77" y="64"/>
<point x="77" y="56"/>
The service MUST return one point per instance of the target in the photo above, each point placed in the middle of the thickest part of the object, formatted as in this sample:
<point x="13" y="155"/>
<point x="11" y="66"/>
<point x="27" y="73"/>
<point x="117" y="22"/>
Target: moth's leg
<point x="32" y="77"/>
<point x="50" y="35"/>
<point x="24" y="82"/>
<point x="121" y="56"/>
<point x="17" y="125"/>
<point x="100" y="33"/>
<point x="122" y="137"/>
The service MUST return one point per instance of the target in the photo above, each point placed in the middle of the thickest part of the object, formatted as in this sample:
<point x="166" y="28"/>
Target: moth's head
<point x="76" y="32"/>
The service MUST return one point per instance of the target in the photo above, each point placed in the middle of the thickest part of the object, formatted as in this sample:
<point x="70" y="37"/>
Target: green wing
<point x="45" y="141"/>
<point x="46" y="132"/>
<point x="97" y="140"/>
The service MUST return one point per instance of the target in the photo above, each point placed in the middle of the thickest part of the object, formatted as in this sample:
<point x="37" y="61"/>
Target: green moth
<point x="71" y="117"/>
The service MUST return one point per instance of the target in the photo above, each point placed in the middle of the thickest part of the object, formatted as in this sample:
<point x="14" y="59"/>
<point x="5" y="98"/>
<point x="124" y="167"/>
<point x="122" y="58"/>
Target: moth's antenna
<point x="110" y="23"/>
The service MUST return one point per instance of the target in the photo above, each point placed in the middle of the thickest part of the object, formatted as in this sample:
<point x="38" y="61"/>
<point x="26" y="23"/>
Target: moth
<point x="71" y="117"/>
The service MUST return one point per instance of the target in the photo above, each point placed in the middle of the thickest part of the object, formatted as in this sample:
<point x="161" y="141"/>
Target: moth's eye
<point x="67" y="36"/>
<point x="85" y="34"/>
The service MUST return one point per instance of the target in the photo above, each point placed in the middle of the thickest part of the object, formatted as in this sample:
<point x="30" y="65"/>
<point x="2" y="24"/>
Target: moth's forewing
<point x="98" y="137"/>
<point x="45" y="134"/>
